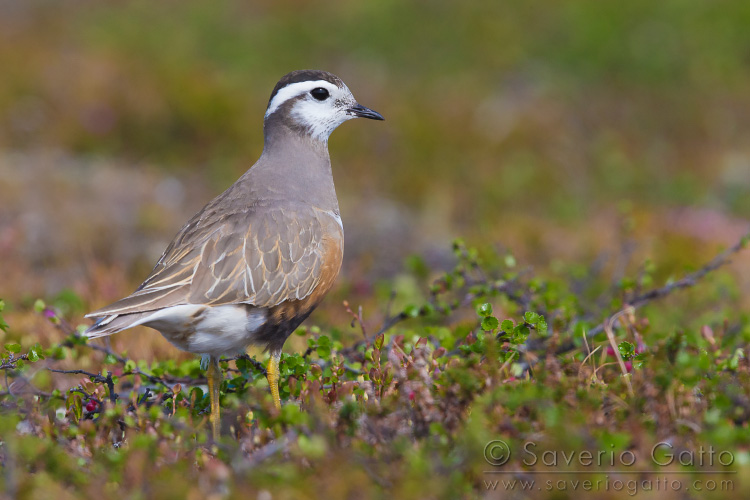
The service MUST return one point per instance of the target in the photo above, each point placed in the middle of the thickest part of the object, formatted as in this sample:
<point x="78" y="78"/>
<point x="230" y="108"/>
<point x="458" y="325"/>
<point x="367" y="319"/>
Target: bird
<point x="252" y="264"/>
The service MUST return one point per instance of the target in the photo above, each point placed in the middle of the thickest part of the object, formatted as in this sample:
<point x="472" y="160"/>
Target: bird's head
<point x="314" y="103"/>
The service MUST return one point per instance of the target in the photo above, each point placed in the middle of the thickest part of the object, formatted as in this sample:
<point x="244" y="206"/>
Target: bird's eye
<point x="320" y="93"/>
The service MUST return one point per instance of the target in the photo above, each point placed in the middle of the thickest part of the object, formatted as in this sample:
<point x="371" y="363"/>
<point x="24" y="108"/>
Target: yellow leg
<point x="214" y="384"/>
<point x="272" y="372"/>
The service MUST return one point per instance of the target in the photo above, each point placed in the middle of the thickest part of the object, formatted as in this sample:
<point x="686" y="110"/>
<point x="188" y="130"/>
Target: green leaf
<point x="242" y="364"/>
<point x="490" y="323"/>
<point x="75" y="406"/>
<point x="735" y="359"/>
<point x="323" y="351"/>
<point x="411" y="311"/>
<point x="198" y="393"/>
<point x="484" y="309"/>
<point x="520" y="334"/>
<point x="458" y="245"/>
<point x="427" y="309"/>
<point x="479" y="345"/>
<point x="33" y="356"/>
<point x="541" y="326"/>
<point x="378" y="344"/>
<point x="3" y="324"/>
<point x="531" y="317"/>
<point x="290" y="362"/>
<point x="627" y="350"/>
<point x="15" y="348"/>
<point x="39" y="305"/>
<point x="507" y="325"/>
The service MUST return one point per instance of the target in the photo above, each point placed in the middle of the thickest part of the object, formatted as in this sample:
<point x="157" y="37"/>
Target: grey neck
<point x="280" y="134"/>
<point x="294" y="167"/>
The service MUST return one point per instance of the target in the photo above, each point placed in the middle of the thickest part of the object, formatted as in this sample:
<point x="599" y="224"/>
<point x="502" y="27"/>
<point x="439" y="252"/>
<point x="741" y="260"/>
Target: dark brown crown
<point x="305" y="75"/>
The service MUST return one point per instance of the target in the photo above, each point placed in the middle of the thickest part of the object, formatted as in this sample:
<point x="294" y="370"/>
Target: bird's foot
<point x="272" y="373"/>
<point x="214" y="385"/>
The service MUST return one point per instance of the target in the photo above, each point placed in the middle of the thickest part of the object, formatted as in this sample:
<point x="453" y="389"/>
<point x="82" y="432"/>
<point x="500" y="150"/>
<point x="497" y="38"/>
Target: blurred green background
<point x="574" y="134"/>
<point x="555" y="130"/>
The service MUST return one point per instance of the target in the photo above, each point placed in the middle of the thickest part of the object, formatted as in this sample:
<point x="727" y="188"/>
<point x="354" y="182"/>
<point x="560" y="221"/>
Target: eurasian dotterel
<point x="252" y="265"/>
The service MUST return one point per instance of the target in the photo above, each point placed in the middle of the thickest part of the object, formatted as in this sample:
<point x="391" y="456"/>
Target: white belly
<point x="219" y="330"/>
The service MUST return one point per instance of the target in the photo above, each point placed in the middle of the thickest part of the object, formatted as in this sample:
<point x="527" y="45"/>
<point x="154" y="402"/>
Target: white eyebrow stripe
<point x="293" y="90"/>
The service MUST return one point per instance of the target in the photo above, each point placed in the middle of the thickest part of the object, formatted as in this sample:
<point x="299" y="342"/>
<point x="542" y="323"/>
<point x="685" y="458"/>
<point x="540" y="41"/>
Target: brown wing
<point x="261" y="259"/>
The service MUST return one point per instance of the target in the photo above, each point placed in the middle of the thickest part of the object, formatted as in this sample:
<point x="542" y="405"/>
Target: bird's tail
<point x="108" y="325"/>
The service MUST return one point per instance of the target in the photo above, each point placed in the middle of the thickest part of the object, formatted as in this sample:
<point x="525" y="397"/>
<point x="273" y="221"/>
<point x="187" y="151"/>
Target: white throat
<point x="320" y="118"/>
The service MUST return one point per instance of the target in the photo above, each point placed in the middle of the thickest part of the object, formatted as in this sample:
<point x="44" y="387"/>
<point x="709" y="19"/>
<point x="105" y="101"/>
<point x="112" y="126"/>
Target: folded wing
<point x="261" y="259"/>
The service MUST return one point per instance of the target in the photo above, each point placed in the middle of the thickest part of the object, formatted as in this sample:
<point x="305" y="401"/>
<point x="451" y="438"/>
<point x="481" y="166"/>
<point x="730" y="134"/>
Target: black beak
<point x="363" y="112"/>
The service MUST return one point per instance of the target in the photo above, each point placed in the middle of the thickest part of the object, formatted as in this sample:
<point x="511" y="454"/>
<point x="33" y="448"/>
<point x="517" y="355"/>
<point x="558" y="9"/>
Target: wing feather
<point x="260" y="258"/>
